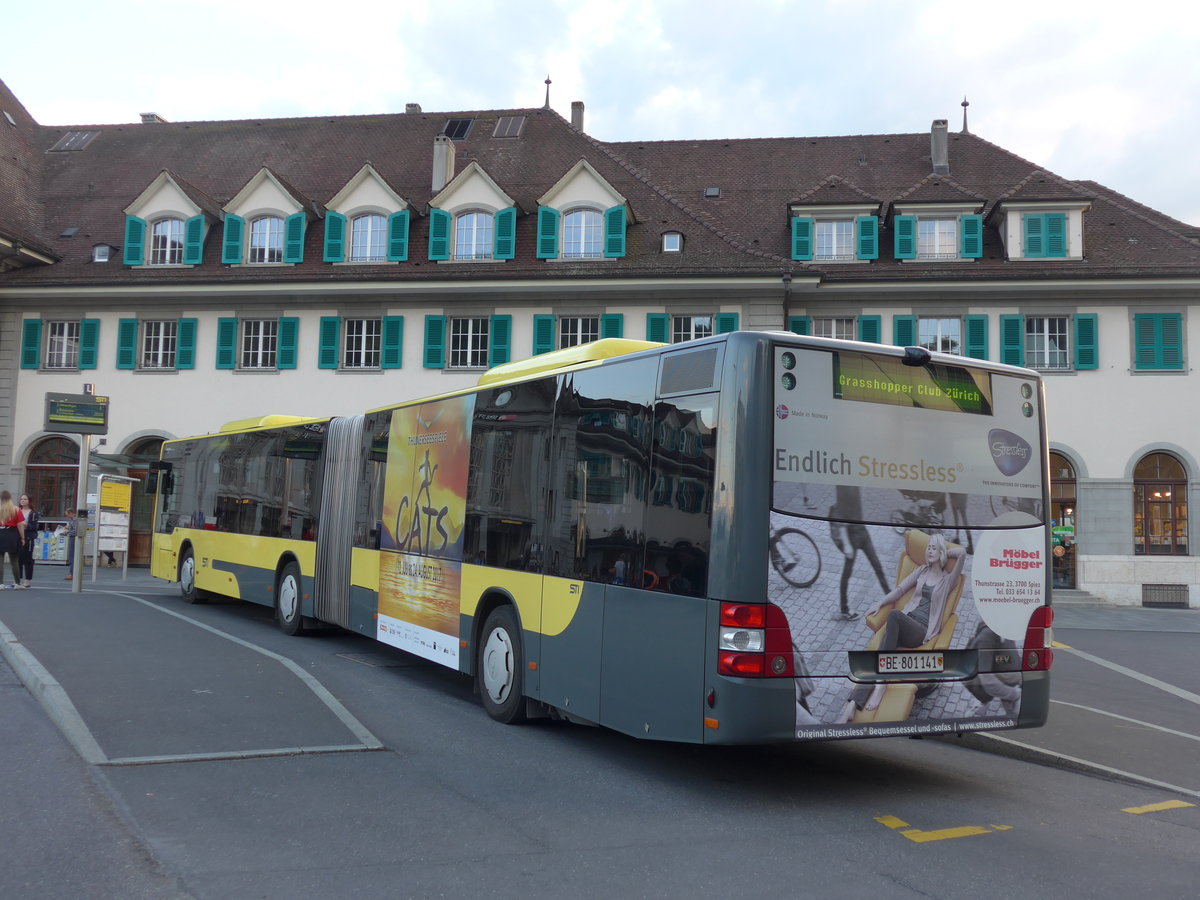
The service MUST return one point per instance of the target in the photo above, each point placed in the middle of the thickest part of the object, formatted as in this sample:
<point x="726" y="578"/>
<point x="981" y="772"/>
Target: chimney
<point x="443" y="162"/>
<point x="939" y="150"/>
<point x="152" y="119"/>
<point x="577" y="115"/>
<point x="412" y="107"/>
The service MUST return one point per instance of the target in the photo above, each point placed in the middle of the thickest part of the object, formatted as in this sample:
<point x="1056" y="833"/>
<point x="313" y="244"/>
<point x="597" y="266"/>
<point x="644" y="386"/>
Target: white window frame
<point x="576" y="330"/>
<point x="474" y="234"/>
<point x="362" y="344"/>
<point x="368" y="238"/>
<point x="942" y="334"/>
<point x="266" y="240"/>
<point x="582" y="234"/>
<point x="469" y="342"/>
<point x="1048" y="342"/>
<point x="687" y="328"/>
<point x="259" y="345"/>
<point x="839" y="327"/>
<point x="166" y="242"/>
<point x="62" y="344"/>
<point x="833" y="240"/>
<point x="160" y="344"/>
<point x="937" y="237"/>
<point x="672" y="242"/>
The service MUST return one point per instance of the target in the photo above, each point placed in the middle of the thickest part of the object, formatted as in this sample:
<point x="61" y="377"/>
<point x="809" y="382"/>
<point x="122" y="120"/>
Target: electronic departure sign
<point x="76" y="414"/>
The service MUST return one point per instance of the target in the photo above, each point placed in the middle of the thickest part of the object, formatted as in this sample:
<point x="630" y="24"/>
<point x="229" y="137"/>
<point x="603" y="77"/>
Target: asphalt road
<point x="199" y="752"/>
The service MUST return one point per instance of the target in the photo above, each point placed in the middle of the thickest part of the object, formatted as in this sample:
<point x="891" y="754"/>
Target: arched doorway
<point x="1063" y="516"/>
<point x="141" y="518"/>
<point x="1160" y="506"/>
<point x="51" y="476"/>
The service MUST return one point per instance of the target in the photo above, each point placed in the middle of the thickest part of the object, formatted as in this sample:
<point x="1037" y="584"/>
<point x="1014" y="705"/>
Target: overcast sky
<point x="1090" y="89"/>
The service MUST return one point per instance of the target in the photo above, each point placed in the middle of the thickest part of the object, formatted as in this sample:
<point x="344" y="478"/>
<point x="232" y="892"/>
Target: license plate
<point x="901" y="663"/>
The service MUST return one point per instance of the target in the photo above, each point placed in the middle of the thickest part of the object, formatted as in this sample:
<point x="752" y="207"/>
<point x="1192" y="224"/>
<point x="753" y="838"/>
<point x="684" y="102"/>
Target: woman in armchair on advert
<point x="921" y="621"/>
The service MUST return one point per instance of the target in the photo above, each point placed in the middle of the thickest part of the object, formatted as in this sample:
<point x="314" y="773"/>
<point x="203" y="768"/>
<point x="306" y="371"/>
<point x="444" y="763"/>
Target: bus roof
<point x="266" y="422"/>
<point x="593" y="352"/>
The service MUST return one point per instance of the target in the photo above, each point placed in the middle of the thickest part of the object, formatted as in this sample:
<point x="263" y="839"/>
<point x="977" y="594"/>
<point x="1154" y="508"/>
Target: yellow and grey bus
<point x="755" y="537"/>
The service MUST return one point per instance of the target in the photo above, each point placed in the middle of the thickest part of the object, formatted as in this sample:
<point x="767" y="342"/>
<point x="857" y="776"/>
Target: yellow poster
<point x="424" y="507"/>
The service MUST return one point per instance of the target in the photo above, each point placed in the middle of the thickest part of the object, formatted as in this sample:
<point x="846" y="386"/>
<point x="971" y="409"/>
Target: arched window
<point x="583" y="234"/>
<point x="368" y="238"/>
<point x="1160" y="506"/>
<point x="51" y="475"/>
<point x="266" y="240"/>
<point x="166" y="242"/>
<point x="473" y="235"/>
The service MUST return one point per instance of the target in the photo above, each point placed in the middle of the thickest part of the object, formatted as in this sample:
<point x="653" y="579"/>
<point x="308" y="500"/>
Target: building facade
<point x="198" y="273"/>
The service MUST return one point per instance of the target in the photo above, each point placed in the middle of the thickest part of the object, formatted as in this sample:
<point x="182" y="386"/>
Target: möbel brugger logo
<point x="1010" y="452"/>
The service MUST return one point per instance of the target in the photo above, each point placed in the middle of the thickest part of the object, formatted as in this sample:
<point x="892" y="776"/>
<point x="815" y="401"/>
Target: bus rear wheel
<point x="187" y="577"/>
<point x="288" y="600"/>
<point x="501" y="667"/>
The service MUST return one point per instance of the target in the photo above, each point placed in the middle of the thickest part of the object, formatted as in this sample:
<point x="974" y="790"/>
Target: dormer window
<point x="101" y="253"/>
<point x="473" y="235"/>
<point x="266" y="240"/>
<point x="583" y="234"/>
<point x="937" y="238"/>
<point x="368" y="238"/>
<point x="938" y="235"/>
<point x="166" y="242"/>
<point x="672" y="242"/>
<point x="835" y="240"/>
<point x="835" y="236"/>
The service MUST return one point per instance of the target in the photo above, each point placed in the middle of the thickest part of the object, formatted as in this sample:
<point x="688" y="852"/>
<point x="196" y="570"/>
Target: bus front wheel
<point x="187" y="577"/>
<point x="287" y="600"/>
<point x="501" y="667"/>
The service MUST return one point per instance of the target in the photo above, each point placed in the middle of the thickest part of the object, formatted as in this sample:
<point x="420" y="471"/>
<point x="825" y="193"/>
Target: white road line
<point x="1104" y="712"/>
<point x="1144" y="679"/>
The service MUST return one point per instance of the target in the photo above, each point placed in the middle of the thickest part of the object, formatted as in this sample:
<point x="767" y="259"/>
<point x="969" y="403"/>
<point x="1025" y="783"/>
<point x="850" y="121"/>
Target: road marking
<point x="1104" y="712"/>
<point x="1157" y="807"/>
<point x="918" y="836"/>
<point x="1057" y="646"/>
<point x="1144" y="679"/>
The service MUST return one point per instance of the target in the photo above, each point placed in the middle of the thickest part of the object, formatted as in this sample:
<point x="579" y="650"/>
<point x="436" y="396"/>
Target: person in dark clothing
<point x="851" y="536"/>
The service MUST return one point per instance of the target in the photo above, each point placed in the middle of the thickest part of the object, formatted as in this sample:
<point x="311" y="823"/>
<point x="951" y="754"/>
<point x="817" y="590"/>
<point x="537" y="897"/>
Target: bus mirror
<point x="151" y="482"/>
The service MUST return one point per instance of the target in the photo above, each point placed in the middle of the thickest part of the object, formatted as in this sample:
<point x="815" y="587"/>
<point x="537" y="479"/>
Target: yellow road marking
<point x="1158" y="807"/>
<point x="1059" y="646"/>
<point x="923" y="837"/>
<point x="891" y="822"/>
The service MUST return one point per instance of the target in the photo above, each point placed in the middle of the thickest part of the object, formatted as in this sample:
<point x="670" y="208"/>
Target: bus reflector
<point x="1037" y="655"/>
<point x="711" y="723"/>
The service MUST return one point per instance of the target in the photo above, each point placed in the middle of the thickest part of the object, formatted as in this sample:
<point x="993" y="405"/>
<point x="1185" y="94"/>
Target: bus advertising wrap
<point x="424" y="508"/>
<point x="907" y="546"/>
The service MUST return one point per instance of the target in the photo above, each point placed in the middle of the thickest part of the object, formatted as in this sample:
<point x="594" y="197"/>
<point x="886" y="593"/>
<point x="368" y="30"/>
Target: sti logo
<point x="782" y="411"/>
<point x="1010" y="452"/>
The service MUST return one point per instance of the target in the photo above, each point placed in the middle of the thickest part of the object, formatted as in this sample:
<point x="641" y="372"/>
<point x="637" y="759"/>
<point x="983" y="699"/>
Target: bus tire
<point x="187" y="577"/>
<point x="288" y="599"/>
<point x="501" y="667"/>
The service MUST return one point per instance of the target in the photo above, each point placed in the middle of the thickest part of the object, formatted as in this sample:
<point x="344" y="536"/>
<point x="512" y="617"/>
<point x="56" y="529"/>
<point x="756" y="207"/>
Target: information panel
<point x="76" y="414"/>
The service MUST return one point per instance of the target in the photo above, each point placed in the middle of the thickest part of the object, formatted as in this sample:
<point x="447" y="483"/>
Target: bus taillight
<point x="755" y="641"/>
<point x="1037" y="655"/>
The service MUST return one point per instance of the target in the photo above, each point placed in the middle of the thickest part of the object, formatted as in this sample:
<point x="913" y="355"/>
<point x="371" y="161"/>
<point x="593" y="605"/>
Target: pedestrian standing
<point x="12" y="537"/>
<point x="32" y="523"/>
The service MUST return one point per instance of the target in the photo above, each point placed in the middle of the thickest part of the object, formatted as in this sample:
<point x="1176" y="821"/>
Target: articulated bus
<point x="750" y="538"/>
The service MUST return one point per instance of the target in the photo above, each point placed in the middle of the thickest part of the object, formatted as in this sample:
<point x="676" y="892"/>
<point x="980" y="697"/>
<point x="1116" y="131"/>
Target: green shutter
<point x="335" y="237"/>
<point x="185" y="344"/>
<point x="1034" y="227"/>
<point x="499" y="339"/>
<point x="800" y="324"/>
<point x="504" y="233"/>
<point x="802" y="237"/>
<point x="867" y="228"/>
<point x="393" y="343"/>
<point x="227" y="332"/>
<point x="726" y="322"/>
<point x="135" y="240"/>
<point x="293" y="238"/>
<point x="547" y="239"/>
<point x="89" y="343"/>
<point x="658" y="327"/>
<point x="231" y="243"/>
<point x="976" y="328"/>
<point x="1158" y="341"/>
<point x="193" y="240"/>
<point x="31" y="343"/>
<point x="1056" y="235"/>
<point x="970" y="229"/>
<point x="435" y="342"/>
<point x="614" y="231"/>
<point x="398" y="236"/>
<point x="905" y="228"/>
<point x="1012" y="340"/>
<point x="127" y="332"/>
<point x="1087" y="341"/>
<point x="904" y="330"/>
<point x="289" y="335"/>
<point x="612" y="325"/>
<point x="870" y="329"/>
<point x="543" y="334"/>
<point x="328" y="337"/>
<point x="439" y="234"/>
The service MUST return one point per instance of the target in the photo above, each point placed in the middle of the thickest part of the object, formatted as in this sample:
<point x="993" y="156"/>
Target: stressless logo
<point x="1010" y="452"/>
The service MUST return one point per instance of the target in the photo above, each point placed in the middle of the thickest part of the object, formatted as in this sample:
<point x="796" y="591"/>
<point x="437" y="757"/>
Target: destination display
<point x="76" y="414"/>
